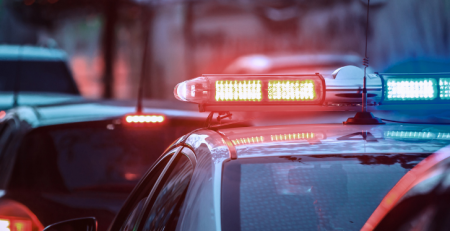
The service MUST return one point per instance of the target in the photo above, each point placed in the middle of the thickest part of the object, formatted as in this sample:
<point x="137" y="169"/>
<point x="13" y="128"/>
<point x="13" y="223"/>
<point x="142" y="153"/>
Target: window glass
<point x="133" y="207"/>
<point x="308" y="192"/>
<point x="168" y="198"/>
<point x="37" y="76"/>
<point x="112" y="158"/>
<point x="6" y="136"/>
<point x="134" y="215"/>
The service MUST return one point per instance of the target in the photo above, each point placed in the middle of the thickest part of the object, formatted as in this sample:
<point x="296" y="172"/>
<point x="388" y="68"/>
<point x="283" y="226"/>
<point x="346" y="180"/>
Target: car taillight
<point x="15" y="224"/>
<point x="144" y="119"/>
<point x="15" y="216"/>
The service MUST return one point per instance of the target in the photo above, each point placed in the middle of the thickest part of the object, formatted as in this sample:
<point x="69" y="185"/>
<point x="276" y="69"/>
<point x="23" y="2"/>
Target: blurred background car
<point x="292" y="63"/>
<point x="419" y="201"/>
<point x="82" y="159"/>
<point x="32" y="75"/>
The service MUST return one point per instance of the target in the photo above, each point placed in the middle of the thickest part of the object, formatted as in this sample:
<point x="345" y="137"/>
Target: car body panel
<point x="201" y="210"/>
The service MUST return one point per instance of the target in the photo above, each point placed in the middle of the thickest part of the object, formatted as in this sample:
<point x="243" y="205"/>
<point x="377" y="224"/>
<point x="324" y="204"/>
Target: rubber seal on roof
<point x="231" y="148"/>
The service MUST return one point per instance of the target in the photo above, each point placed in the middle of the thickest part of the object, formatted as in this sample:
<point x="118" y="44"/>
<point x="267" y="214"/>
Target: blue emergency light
<point x="415" y="88"/>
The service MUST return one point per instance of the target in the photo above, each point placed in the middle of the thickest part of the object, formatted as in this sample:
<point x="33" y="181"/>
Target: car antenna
<point x="364" y="117"/>
<point x="140" y="97"/>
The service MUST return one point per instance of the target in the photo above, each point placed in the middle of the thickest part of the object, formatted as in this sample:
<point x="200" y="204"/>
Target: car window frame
<point x="9" y="130"/>
<point x="136" y="195"/>
<point x="184" y="150"/>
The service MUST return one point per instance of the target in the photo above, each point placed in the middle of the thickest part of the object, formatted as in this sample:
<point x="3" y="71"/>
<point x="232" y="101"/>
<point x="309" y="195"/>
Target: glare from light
<point x="291" y="90"/>
<point x="144" y="118"/>
<point x="411" y="89"/>
<point x="417" y="135"/>
<point x="444" y="88"/>
<point x="4" y="225"/>
<point x="2" y="114"/>
<point x="238" y="90"/>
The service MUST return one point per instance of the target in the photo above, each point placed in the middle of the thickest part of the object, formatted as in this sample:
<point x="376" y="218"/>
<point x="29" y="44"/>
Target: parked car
<point x="30" y="71"/>
<point x="81" y="159"/>
<point x="292" y="63"/>
<point x="419" y="201"/>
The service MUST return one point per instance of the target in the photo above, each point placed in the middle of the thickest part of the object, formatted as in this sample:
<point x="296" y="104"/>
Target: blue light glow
<point x="411" y="89"/>
<point x="444" y="87"/>
<point x="417" y="135"/>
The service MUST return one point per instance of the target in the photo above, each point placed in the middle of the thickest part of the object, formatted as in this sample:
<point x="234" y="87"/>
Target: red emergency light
<point x="144" y="119"/>
<point x="224" y="91"/>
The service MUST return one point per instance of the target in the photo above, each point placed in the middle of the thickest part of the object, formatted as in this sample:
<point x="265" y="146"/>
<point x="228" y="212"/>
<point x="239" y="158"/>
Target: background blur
<point x="105" y="38"/>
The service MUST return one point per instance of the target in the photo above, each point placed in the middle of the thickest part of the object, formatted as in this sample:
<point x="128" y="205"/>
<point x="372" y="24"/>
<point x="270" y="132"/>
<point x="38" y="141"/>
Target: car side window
<point x="132" y="209"/>
<point x="167" y="199"/>
<point x="6" y="130"/>
<point x="6" y="135"/>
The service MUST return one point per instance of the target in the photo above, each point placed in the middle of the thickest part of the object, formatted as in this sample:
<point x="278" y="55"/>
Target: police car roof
<point x="332" y="139"/>
<point x="93" y="110"/>
<point x="31" y="53"/>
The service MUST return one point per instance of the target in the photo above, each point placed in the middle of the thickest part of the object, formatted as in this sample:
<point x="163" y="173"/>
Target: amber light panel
<point x="216" y="92"/>
<point x="238" y="90"/>
<point x="144" y="118"/>
<point x="277" y="137"/>
<point x="291" y="90"/>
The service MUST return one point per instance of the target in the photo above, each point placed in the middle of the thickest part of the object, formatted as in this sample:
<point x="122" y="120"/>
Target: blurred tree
<point x="47" y="13"/>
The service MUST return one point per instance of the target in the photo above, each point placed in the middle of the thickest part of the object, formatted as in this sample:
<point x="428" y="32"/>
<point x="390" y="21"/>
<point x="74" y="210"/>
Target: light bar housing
<point x="238" y="92"/>
<point x="415" y="88"/>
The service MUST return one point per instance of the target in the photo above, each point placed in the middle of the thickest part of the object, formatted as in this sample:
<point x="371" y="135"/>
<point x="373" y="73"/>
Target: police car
<point x="299" y="176"/>
<point x="80" y="159"/>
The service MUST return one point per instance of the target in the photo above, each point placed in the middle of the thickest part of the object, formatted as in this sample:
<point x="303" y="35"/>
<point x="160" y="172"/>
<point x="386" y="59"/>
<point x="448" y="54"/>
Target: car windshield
<point x="36" y="76"/>
<point x="91" y="156"/>
<point x="318" y="192"/>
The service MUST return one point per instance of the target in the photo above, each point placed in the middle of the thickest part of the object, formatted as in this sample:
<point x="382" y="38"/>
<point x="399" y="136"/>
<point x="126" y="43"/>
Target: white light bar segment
<point x="238" y="90"/>
<point x="294" y="90"/>
<point x="444" y="88"/>
<point x="411" y="89"/>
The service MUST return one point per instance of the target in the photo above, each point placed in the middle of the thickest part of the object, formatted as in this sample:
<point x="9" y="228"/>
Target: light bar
<point x="247" y="90"/>
<point x="144" y="119"/>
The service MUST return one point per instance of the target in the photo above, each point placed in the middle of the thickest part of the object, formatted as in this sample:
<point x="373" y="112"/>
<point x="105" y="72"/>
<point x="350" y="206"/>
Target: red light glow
<point x="145" y="118"/>
<point x="2" y="114"/>
<point x="15" y="224"/>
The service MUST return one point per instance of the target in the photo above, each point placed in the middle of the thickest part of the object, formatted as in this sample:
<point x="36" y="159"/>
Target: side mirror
<point x="79" y="224"/>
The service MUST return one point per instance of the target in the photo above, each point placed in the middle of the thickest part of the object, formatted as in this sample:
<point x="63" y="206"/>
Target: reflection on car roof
<point x="337" y="139"/>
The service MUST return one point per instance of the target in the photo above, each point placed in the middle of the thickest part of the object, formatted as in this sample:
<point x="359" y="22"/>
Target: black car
<point x="81" y="159"/>
<point x="33" y="75"/>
